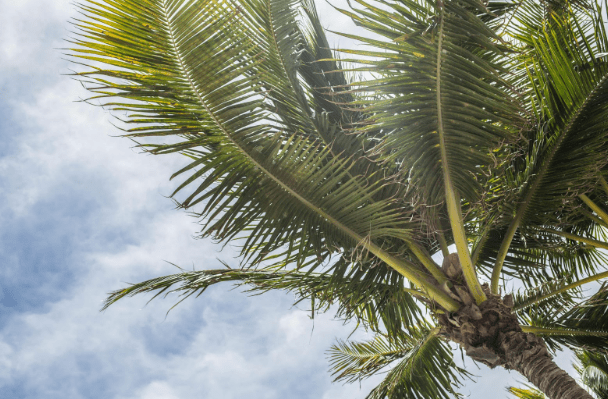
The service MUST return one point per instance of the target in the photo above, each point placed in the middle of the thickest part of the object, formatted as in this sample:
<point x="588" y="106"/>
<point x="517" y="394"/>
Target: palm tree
<point x="592" y="369"/>
<point x="466" y="124"/>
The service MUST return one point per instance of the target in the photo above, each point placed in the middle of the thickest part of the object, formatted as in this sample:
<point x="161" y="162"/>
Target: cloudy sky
<point x="82" y="213"/>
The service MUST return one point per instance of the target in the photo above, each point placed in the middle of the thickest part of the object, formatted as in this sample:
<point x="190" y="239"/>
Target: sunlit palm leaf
<point x="219" y="77"/>
<point x="529" y="393"/>
<point x="424" y="367"/>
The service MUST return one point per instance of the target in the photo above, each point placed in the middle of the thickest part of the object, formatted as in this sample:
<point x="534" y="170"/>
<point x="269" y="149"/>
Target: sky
<point x="83" y="213"/>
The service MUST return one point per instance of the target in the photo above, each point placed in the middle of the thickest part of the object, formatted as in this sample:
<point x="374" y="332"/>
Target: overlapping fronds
<point x="481" y="123"/>
<point x="563" y="148"/>
<point x="423" y="365"/>
<point x="218" y="79"/>
<point x="539" y="257"/>
<point x="566" y="146"/>
<point x="446" y="105"/>
<point x="362" y="298"/>
<point x="569" y="75"/>
<point x="580" y="326"/>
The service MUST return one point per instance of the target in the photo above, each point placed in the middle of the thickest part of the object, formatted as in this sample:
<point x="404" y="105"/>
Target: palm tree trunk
<point x="527" y="354"/>
<point x="490" y="334"/>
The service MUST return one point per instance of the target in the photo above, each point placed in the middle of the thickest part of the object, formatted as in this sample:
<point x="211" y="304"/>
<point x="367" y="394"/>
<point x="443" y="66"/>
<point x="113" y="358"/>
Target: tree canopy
<point x="466" y="124"/>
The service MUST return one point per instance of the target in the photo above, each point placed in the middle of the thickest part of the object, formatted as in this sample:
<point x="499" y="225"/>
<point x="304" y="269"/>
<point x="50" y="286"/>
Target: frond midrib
<point x="514" y="225"/>
<point x="407" y="269"/>
<point x="453" y="204"/>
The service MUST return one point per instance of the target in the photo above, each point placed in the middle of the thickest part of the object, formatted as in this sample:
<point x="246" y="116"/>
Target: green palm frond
<point x="571" y="82"/>
<point x="437" y="67"/>
<point x="546" y="298"/>
<point x="362" y="298"/>
<point x="593" y="368"/>
<point x="526" y="393"/>
<point x="438" y="70"/>
<point x="424" y="367"/>
<point x="567" y="146"/>
<point x="582" y="326"/>
<point x="218" y="80"/>
<point x="540" y="257"/>
<point x="555" y="293"/>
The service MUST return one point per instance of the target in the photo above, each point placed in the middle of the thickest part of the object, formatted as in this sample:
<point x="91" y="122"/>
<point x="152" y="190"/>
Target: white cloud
<point x="30" y="29"/>
<point x="157" y="390"/>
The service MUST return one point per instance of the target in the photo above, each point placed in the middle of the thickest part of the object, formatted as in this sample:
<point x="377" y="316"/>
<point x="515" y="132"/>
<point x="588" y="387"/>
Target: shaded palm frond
<point x="582" y="326"/>
<point x="438" y="68"/>
<point x="546" y="298"/>
<point x="564" y="147"/>
<point x="567" y="144"/>
<point x="424" y="367"/>
<point x="537" y="258"/>
<point x="373" y="303"/>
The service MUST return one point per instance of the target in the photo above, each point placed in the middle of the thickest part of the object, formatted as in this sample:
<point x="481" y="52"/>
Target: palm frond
<point x="580" y="327"/>
<point x="563" y="290"/>
<point x="424" y="367"/>
<point x="440" y="75"/>
<point x="526" y="393"/>
<point x="437" y="68"/>
<point x="593" y="368"/>
<point x="567" y="143"/>
<point x="537" y="258"/>
<point x="218" y="80"/>
<point x="362" y="298"/>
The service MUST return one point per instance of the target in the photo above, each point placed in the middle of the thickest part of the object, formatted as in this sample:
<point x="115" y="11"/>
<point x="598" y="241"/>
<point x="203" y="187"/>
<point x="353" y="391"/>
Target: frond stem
<point x="578" y="283"/>
<point x="596" y="208"/>
<point x="428" y="262"/>
<point x="453" y="202"/>
<point x="562" y="331"/>
<point x="604" y="184"/>
<point x="506" y="243"/>
<point x="443" y="244"/>
<point x="594" y="218"/>
<point x="570" y="236"/>
<point x="480" y="243"/>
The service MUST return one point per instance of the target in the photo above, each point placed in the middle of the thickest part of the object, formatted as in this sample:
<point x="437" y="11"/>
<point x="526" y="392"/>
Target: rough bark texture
<point x="528" y="355"/>
<point x="490" y="334"/>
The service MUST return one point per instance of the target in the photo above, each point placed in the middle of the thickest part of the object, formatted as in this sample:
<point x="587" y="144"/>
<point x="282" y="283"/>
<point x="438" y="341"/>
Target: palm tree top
<point x="474" y="125"/>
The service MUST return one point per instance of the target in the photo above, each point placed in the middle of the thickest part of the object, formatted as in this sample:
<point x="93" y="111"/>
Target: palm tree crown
<point x="475" y="125"/>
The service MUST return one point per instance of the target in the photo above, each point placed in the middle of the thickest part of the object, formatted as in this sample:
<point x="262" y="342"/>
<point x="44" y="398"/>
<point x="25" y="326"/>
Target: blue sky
<point x="82" y="212"/>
